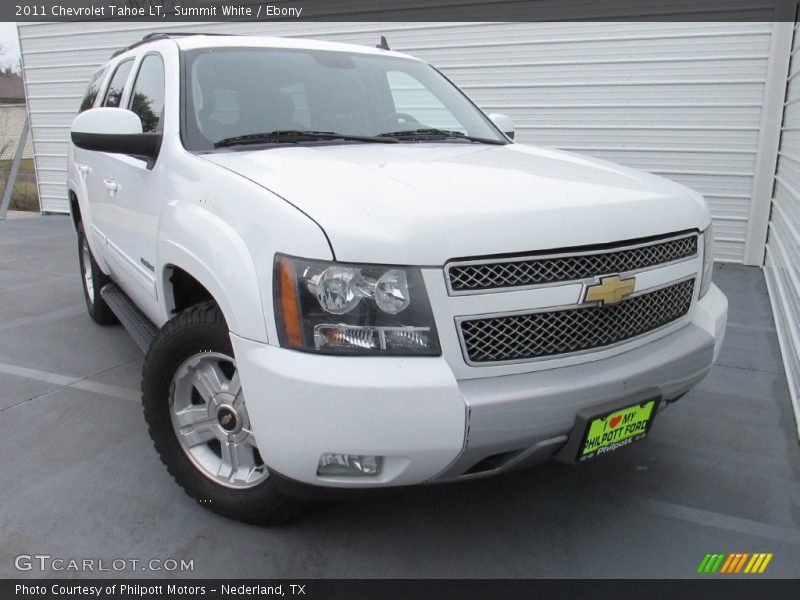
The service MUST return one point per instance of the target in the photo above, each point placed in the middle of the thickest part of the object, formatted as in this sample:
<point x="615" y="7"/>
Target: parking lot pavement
<point x="79" y="477"/>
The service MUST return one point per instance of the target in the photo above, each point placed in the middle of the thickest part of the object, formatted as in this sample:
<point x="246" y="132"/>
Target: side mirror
<point x="504" y="123"/>
<point x="114" y="130"/>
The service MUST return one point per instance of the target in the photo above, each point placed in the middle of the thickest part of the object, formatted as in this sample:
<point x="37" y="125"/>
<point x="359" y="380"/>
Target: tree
<point x="9" y="65"/>
<point x="141" y="105"/>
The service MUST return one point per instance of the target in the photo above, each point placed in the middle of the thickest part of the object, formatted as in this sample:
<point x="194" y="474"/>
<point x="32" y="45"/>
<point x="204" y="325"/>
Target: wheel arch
<point x="184" y="290"/>
<point x="74" y="209"/>
<point x="206" y="259"/>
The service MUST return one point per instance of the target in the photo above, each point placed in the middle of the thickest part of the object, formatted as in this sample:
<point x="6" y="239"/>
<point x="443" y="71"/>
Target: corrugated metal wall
<point x="782" y="266"/>
<point x="684" y="100"/>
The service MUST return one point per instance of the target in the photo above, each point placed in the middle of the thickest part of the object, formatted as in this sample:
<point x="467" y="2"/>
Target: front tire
<point x="93" y="281"/>
<point x="197" y="418"/>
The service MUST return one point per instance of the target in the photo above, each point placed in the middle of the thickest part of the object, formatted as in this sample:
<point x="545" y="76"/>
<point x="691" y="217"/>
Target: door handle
<point x="111" y="185"/>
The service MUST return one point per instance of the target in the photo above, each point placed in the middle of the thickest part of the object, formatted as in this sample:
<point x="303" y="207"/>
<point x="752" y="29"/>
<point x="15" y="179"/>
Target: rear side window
<point x="147" y="99"/>
<point x="117" y="86"/>
<point x="92" y="90"/>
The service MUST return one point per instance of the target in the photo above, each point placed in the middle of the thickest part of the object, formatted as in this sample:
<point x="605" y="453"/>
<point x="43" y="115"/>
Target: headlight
<point x="338" y="308"/>
<point x="708" y="260"/>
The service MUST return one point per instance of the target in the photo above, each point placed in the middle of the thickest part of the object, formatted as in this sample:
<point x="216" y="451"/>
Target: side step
<point x="138" y="325"/>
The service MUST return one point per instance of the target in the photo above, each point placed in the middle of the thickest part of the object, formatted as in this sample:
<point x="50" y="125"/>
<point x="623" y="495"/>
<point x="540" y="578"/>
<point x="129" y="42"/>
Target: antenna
<point x="384" y="45"/>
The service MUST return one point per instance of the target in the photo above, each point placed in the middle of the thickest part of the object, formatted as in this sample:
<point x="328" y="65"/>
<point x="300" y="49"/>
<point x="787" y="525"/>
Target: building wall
<point x="782" y="265"/>
<point x="684" y="100"/>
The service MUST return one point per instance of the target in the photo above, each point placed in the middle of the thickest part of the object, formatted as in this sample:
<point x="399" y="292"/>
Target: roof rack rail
<point x="166" y="35"/>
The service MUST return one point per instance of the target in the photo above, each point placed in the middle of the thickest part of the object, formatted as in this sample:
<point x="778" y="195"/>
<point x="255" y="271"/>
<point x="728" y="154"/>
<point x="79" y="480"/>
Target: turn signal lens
<point x="414" y="339"/>
<point x="289" y="306"/>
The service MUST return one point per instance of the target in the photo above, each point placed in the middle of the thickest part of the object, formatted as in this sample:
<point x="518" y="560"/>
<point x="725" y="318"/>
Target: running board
<point x="138" y="325"/>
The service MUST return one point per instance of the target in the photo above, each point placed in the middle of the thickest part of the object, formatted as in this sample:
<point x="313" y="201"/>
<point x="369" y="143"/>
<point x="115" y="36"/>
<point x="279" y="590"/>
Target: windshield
<point x="235" y="92"/>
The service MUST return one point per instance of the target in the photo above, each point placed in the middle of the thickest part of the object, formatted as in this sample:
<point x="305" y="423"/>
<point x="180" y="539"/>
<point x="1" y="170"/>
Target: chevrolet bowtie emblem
<point x="609" y="290"/>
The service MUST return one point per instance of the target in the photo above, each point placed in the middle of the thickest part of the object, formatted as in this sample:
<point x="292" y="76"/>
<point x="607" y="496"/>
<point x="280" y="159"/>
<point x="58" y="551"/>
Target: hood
<point x="426" y="203"/>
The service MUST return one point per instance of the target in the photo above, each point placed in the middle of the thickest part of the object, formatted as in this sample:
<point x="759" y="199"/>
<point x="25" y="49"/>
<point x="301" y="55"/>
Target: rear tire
<point x="93" y="281"/>
<point x="198" y="421"/>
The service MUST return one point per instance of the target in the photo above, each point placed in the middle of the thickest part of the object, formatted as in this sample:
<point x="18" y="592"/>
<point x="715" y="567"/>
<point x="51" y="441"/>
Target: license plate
<point x="617" y="429"/>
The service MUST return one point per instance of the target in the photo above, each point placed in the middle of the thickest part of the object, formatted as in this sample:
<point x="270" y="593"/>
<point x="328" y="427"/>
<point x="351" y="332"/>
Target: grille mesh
<point x="536" y="335"/>
<point x="534" y="271"/>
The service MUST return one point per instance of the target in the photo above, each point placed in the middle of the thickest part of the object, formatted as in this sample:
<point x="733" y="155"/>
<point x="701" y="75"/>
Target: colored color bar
<point x="738" y="560"/>
<point x="754" y="562"/>
<point x="703" y="563"/>
<point x="717" y="563"/>
<point x="734" y="562"/>
<point x="735" y="556"/>
<point x="727" y="564"/>
<point x="765" y="563"/>
<point x="735" y="566"/>
<point x="741" y="562"/>
<point x="710" y="564"/>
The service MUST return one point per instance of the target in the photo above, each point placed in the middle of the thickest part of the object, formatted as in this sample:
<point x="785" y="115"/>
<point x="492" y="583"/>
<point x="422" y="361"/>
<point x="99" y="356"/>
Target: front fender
<point x="212" y="252"/>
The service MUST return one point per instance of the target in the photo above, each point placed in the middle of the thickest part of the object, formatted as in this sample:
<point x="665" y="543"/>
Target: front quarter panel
<point x="224" y="231"/>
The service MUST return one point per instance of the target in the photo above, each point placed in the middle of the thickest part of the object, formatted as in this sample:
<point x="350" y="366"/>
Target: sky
<point x="9" y="42"/>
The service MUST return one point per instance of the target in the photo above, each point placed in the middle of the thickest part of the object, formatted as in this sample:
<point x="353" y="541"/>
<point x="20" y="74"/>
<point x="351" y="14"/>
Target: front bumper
<point x="431" y="426"/>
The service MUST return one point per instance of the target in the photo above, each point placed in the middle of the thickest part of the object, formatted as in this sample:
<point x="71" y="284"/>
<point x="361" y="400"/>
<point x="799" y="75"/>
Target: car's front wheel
<point x="198" y="420"/>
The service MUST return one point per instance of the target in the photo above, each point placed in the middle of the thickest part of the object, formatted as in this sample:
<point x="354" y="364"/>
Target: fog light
<point x="349" y="465"/>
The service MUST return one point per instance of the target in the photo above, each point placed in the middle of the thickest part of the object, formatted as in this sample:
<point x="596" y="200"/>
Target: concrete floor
<point x="80" y="479"/>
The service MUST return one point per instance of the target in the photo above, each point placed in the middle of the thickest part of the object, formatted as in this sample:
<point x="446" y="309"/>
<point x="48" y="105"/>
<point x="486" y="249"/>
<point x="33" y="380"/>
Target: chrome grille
<point x="550" y="333"/>
<point x="475" y="276"/>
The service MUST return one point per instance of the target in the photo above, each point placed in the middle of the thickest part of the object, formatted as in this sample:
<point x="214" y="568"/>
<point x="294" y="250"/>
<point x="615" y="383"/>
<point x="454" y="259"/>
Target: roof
<point x="12" y="89"/>
<point x="190" y="41"/>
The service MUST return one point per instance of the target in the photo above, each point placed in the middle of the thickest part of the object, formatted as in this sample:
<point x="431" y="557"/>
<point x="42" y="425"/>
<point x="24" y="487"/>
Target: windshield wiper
<point x="429" y="133"/>
<point x="291" y="136"/>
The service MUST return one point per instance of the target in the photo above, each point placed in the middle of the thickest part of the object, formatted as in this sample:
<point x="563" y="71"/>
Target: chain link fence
<point x="25" y="195"/>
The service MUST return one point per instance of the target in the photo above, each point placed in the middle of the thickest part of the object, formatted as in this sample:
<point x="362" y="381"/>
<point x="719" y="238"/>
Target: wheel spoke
<point x="207" y="379"/>
<point x="192" y="415"/>
<point x="198" y="433"/>
<point x="230" y="460"/>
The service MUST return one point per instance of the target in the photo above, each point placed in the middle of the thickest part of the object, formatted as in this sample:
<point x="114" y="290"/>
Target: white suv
<point x="345" y="275"/>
